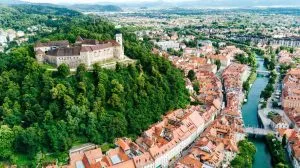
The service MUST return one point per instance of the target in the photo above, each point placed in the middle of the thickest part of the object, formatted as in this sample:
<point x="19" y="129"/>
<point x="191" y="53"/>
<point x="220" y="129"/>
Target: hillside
<point x="43" y="114"/>
<point x="12" y="2"/>
<point x="95" y="8"/>
<point x="22" y="16"/>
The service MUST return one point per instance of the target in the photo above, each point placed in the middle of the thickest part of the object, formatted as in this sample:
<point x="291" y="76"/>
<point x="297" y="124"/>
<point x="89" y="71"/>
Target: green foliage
<point x="50" y="111"/>
<point x="269" y="89"/>
<point x="63" y="70"/>
<point x="277" y="151"/>
<point x="245" y="157"/>
<point x="190" y="43"/>
<point x="20" y="17"/>
<point x="258" y="51"/>
<point x="7" y="137"/>
<point x="96" y="8"/>
<point x="218" y="63"/>
<point x="270" y="60"/>
<point x="248" y="59"/>
<point x="171" y="51"/>
<point x="281" y="165"/>
<point x="196" y="86"/>
<point x="28" y="141"/>
<point x="284" y="140"/>
<point x="250" y="80"/>
<point x="289" y="49"/>
<point x="191" y="75"/>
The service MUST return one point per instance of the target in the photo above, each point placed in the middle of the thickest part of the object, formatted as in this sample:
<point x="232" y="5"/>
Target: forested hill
<point x="22" y="16"/>
<point x="95" y="8"/>
<point x="43" y="114"/>
<point x="12" y="2"/>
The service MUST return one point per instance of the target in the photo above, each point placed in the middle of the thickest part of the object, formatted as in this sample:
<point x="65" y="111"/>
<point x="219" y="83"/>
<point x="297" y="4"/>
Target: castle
<point x="86" y="51"/>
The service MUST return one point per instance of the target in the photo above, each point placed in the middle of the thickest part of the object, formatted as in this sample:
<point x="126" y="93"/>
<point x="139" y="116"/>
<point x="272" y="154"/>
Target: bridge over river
<point x="263" y="72"/>
<point x="258" y="131"/>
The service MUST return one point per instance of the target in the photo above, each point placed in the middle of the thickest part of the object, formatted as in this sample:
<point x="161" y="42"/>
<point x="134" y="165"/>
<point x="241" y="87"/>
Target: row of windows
<point x="69" y="58"/>
<point x="104" y="50"/>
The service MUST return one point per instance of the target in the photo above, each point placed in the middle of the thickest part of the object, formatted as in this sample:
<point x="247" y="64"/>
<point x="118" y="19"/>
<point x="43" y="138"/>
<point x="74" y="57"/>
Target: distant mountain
<point x="206" y="3"/>
<point x="94" y="8"/>
<point x="12" y="2"/>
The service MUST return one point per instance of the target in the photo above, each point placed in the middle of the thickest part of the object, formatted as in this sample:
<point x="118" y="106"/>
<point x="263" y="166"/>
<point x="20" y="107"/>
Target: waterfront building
<point x="217" y="145"/>
<point x="291" y="95"/>
<point x="278" y="122"/>
<point x="293" y="144"/>
<point x="284" y="57"/>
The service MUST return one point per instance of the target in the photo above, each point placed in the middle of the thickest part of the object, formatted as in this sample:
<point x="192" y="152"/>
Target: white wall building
<point x="83" y="51"/>
<point x="165" y="45"/>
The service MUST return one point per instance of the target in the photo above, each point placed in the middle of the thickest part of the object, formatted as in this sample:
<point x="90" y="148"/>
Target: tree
<point x="101" y="92"/>
<point x="7" y="137"/>
<point x="191" y="75"/>
<point x="28" y="141"/>
<point x="283" y="142"/>
<point x="245" y="156"/>
<point x="80" y="72"/>
<point x="63" y="70"/>
<point x="57" y="136"/>
<point x="58" y="91"/>
<point x="218" y="63"/>
<point x="52" y="110"/>
<point x="246" y="86"/>
<point x="196" y="87"/>
<point x="281" y="165"/>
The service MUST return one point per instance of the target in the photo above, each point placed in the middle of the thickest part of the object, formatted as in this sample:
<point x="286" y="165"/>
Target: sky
<point x="91" y="1"/>
<point x="181" y="2"/>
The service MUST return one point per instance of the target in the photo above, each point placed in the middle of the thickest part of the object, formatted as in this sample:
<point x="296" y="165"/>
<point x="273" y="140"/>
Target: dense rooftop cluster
<point x="218" y="144"/>
<point x="293" y="144"/>
<point x="157" y="145"/>
<point x="291" y="96"/>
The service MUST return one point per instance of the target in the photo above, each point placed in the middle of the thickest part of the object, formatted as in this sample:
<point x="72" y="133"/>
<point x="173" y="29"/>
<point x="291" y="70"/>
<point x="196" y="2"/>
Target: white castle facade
<point x="86" y="51"/>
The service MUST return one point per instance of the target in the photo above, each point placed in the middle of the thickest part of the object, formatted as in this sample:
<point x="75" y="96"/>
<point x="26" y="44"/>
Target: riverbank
<point x="262" y="157"/>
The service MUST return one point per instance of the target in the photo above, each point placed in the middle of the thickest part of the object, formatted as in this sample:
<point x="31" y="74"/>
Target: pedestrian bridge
<point x="258" y="131"/>
<point x="262" y="72"/>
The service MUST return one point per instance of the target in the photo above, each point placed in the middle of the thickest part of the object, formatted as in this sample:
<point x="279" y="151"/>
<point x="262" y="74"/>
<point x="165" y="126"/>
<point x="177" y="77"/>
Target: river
<point x="250" y="117"/>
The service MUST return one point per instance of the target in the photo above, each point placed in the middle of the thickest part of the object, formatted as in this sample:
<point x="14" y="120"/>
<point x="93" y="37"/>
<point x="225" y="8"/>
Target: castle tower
<point x="119" y="39"/>
<point x="120" y="52"/>
<point x="39" y="55"/>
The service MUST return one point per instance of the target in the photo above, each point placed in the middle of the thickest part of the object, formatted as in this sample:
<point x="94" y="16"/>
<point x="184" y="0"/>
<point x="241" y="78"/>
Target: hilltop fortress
<point x="86" y="51"/>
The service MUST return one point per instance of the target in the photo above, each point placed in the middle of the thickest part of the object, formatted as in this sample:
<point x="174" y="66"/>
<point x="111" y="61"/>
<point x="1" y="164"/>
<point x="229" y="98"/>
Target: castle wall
<point x="87" y="57"/>
<point x="119" y="52"/>
<point x="98" y="55"/>
<point x="50" y="59"/>
<point x="44" y="49"/>
<point x="39" y="58"/>
<point x="72" y="61"/>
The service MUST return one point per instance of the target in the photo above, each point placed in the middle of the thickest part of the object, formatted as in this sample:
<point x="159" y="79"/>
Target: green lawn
<point x="48" y="66"/>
